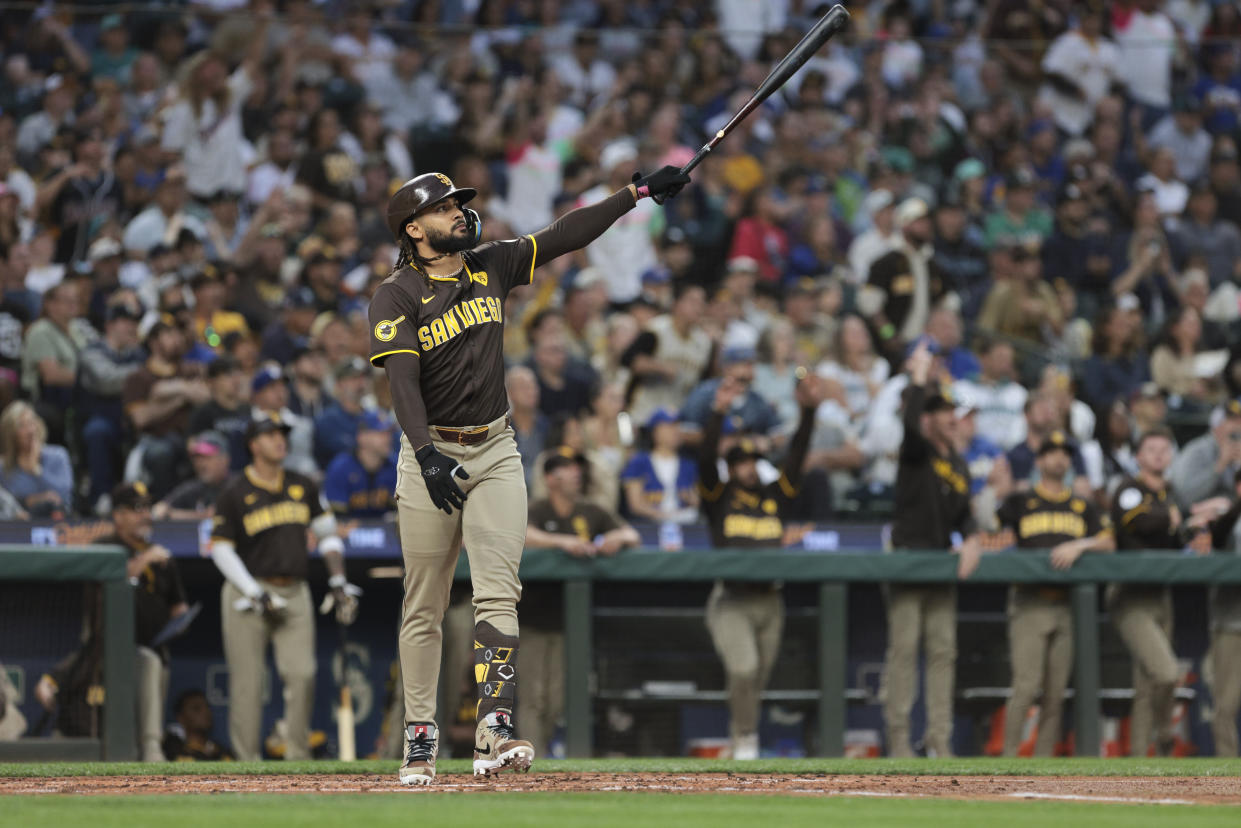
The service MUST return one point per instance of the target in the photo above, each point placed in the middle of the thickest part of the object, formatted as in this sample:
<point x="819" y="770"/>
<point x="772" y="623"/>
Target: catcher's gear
<point x="439" y="471"/>
<point x="343" y="598"/>
<point x="660" y="185"/>
<point x="421" y="192"/>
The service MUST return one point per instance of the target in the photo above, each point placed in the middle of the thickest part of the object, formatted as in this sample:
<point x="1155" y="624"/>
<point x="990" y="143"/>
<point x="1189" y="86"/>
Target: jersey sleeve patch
<point x="1129" y="499"/>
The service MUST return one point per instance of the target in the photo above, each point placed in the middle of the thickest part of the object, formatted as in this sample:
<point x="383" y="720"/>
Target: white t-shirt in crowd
<point x="1147" y="46"/>
<point x="1093" y="65"/>
<point x="212" y="145"/>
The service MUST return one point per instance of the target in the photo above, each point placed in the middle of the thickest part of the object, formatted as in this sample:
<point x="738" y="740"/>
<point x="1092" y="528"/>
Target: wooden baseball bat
<point x="820" y="33"/>
<point x="345" y="731"/>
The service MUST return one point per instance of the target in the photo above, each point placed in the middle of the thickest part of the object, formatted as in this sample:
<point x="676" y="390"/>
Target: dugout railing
<point x="833" y="572"/>
<point x="104" y="565"/>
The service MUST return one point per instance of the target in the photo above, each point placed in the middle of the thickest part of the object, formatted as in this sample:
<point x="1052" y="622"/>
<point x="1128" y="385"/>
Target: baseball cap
<point x="133" y="495"/>
<point x="110" y="21"/>
<point x="931" y="345"/>
<point x="745" y="449"/>
<point x="806" y="286"/>
<point x="374" y="421"/>
<point x="264" y="424"/>
<point x="661" y="416"/>
<point x="876" y="200"/>
<point x="1056" y="441"/>
<point x="617" y="153"/>
<point x="1147" y="391"/>
<point x="103" y="248"/>
<point x="909" y="211"/>
<point x="968" y="169"/>
<point x="1019" y="179"/>
<point x="738" y="353"/>
<point x="265" y="376"/>
<point x="562" y="456"/>
<point x="121" y="311"/>
<point x="300" y="298"/>
<point x="938" y="402"/>
<point x="747" y="263"/>
<point x="208" y="444"/>
<point x="352" y="367"/>
<point x="1127" y="302"/>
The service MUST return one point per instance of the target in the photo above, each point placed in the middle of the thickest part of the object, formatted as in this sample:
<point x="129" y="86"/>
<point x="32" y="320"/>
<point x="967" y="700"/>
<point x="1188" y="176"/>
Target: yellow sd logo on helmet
<point x="385" y="331"/>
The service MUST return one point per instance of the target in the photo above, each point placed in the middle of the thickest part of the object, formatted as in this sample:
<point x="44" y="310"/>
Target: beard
<point x="450" y="242"/>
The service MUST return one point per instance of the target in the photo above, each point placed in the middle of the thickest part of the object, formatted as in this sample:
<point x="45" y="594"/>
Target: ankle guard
<point x="495" y="668"/>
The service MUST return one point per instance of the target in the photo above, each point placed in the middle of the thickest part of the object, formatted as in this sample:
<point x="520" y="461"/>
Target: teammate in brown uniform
<point x="437" y="328"/>
<point x="1040" y="617"/>
<point x="746" y="619"/>
<point x="258" y="542"/>
<point x="1145" y="516"/>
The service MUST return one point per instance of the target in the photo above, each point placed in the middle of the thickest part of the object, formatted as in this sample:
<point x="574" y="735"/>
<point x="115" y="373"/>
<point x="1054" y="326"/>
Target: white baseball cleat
<point x="495" y="748"/>
<point x="421" y="748"/>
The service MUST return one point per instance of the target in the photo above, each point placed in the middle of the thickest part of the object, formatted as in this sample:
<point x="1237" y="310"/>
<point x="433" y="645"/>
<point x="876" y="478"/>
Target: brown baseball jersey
<point x="455" y="325"/>
<point x="268" y="524"/>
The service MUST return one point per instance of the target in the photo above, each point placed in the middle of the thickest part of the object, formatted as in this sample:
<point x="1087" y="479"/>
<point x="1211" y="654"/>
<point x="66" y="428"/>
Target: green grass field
<point x="551" y="810"/>
<point x="601" y="810"/>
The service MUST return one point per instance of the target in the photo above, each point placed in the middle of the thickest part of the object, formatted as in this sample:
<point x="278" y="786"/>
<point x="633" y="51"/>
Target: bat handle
<point x="693" y="162"/>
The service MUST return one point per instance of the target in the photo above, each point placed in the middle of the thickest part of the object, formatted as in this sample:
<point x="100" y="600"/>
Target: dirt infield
<point x="1151" y="790"/>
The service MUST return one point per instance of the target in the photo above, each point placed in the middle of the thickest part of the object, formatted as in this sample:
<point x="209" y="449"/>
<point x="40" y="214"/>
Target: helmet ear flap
<point x="473" y="225"/>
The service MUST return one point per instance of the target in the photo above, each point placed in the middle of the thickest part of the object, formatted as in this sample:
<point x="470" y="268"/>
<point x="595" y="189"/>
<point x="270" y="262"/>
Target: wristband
<point x="337" y="582"/>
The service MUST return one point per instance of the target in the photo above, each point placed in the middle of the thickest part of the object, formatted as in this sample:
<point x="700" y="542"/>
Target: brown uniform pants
<point x="541" y="697"/>
<point x="152" y="691"/>
<point x="246" y="636"/>
<point x="493" y="528"/>
<point x="745" y="626"/>
<point x="929" y="614"/>
<point x="1144" y="620"/>
<point x="1226" y="659"/>
<point x="1040" y="636"/>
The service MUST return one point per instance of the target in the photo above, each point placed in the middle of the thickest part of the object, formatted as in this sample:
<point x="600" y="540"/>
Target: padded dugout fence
<point x="44" y="581"/>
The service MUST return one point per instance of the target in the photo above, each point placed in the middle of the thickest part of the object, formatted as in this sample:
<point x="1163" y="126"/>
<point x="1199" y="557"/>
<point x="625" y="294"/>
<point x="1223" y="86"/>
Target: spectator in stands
<point x="1079" y="69"/>
<point x="944" y="329"/>
<point x="998" y="398"/>
<point x="228" y="411"/>
<point x="1041" y="419"/>
<point x="1182" y="134"/>
<point x="212" y="320"/>
<point x="1019" y="220"/>
<point x="904" y="284"/>
<point x="748" y="413"/>
<point x="760" y="234"/>
<point x="1148" y="270"/>
<point x="337" y="427"/>
<point x="195" y="498"/>
<point x="39" y="475"/>
<point x="857" y="367"/>
<point x="775" y="374"/>
<point x="360" y="483"/>
<point x="565" y="384"/>
<point x="50" y="355"/>
<point x="306" y="381"/>
<point x="106" y="364"/>
<point x="204" y="124"/>
<point x="627" y="249"/>
<point x="1201" y="233"/>
<point x="188" y="739"/>
<point x="1174" y="365"/>
<point x="567" y="521"/>
<point x="1205" y="466"/>
<point x="670" y="356"/>
<point x="1149" y="407"/>
<point x="167" y="216"/>
<point x="158" y="398"/>
<point x="813" y="330"/>
<point x="660" y="484"/>
<point x="880" y="236"/>
<point x="1025" y="307"/>
<point x="269" y="395"/>
<point x="529" y="423"/>
<point x="79" y="195"/>
<point x="1118" y="365"/>
<point x="289" y="332"/>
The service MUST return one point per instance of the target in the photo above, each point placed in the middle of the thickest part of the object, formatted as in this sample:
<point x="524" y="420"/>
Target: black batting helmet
<point x="421" y="192"/>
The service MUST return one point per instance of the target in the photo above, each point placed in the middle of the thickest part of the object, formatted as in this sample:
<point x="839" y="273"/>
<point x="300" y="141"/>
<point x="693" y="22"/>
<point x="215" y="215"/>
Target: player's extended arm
<point x="795" y="460"/>
<point x="404" y="371"/>
<point x="344" y="595"/>
<point x="578" y="228"/>
<point x="224" y="553"/>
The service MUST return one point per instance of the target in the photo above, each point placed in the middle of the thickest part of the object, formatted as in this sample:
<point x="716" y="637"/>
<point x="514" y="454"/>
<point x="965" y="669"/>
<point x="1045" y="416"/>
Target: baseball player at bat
<point x="437" y="329"/>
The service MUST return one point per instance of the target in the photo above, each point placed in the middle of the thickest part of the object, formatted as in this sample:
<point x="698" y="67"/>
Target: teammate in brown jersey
<point x="437" y="327"/>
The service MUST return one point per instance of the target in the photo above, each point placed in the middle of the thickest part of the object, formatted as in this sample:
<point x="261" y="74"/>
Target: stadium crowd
<point x="1048" y="197"/>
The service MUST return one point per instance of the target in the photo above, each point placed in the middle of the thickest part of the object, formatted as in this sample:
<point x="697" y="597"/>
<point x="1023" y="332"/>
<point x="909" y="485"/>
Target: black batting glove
<point x="438" y="470"/>
<point x="660" y="185"/>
